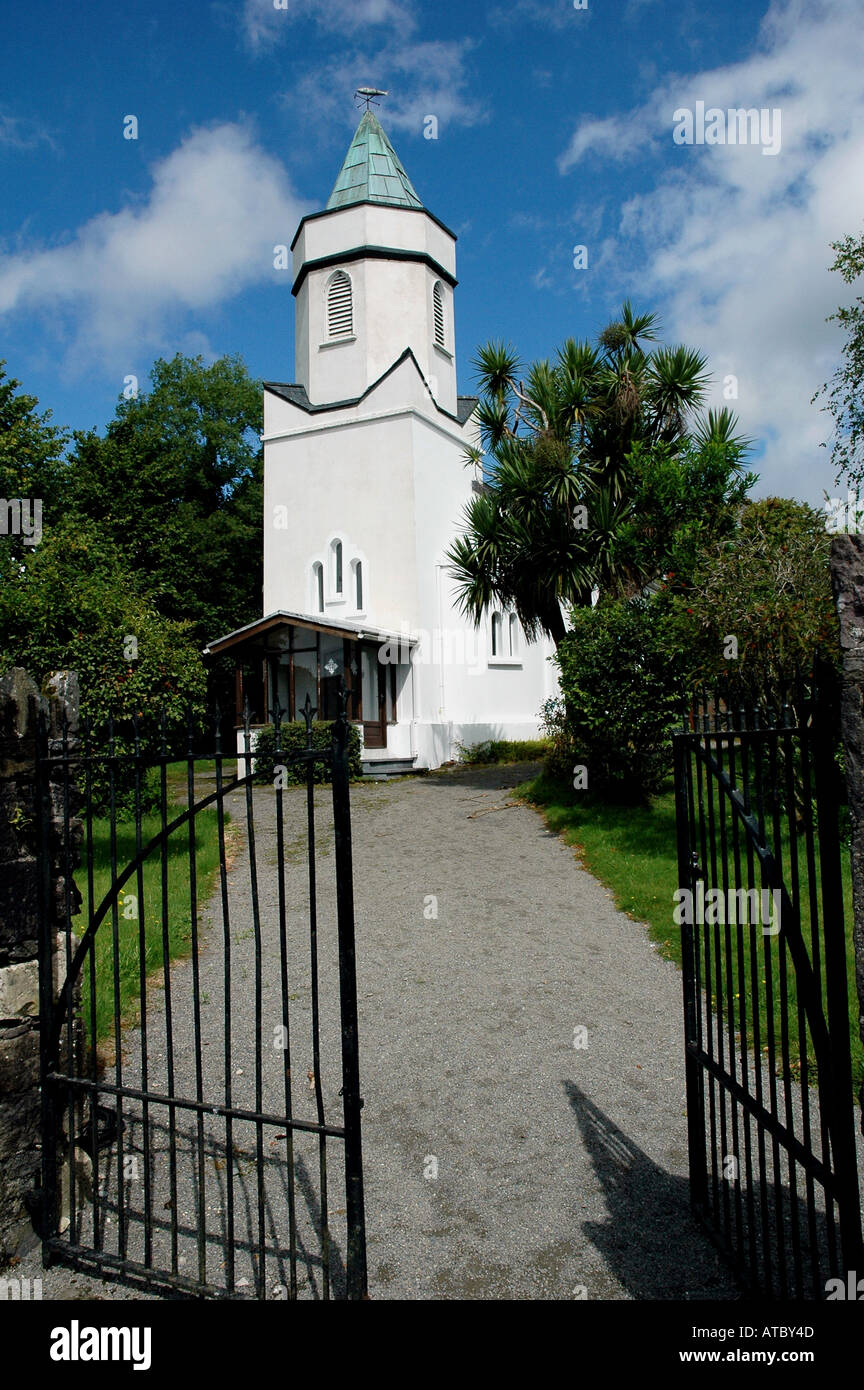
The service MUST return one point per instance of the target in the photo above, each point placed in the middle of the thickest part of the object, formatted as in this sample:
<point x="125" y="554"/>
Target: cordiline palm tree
<point x="554" y="447"/>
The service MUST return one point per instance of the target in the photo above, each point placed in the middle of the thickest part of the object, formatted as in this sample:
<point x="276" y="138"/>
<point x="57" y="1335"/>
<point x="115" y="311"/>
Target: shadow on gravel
<point x="483" y="776"/>
<point x="650" y="1241"/>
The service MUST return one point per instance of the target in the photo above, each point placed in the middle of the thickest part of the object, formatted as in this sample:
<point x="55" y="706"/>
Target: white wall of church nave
<point x="355" y="482"/>
<point x="463" y="687"/>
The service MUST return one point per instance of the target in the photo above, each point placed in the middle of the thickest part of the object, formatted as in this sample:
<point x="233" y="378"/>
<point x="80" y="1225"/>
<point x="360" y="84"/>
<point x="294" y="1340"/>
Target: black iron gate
<point x="772" y="1147"/>
<point x="199" y="1028"/>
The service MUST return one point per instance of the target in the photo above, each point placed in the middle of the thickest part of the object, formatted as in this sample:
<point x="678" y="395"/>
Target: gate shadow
<point x="216" y="1235"/>
<point x="650" y="1242"/>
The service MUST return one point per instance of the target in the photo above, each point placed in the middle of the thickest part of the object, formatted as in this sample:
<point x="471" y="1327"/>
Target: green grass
<point x="503" y="751"/>
<point x="633" y="851"/>
<point x="175" y="776"/>
<point x="176" y="940"/>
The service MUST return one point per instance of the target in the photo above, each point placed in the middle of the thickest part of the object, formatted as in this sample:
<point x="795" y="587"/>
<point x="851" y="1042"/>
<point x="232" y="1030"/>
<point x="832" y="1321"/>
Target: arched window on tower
<point x="340" y="310"/>
<point x="514" y="634"/>
<point x="318" y="585"/>
<point x="496" y="635"/>
<point x="336" y="553"/>
<point x="438" y="314"/>
<point x="357" y="567"/>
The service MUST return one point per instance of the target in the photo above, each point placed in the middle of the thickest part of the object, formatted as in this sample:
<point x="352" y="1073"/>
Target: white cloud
<point x="733" y="247"/>
<point x="217" y="206"/>
<point x="22" y="132"/>
<point x="612" y="137"/>
<point x="431" y="78"/>
<point x="263" y="24"/>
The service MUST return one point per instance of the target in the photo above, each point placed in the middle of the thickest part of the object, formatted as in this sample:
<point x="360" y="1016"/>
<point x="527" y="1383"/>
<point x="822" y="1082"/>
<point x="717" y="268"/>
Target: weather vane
<point x="368" y="94"/>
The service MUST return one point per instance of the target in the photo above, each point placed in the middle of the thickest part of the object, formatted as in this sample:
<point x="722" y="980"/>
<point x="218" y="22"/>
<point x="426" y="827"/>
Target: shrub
<point x="620" y="699"/>
<point x="292" y="740"/>
<point x="769" y="587"/>
<point x="503" y="750"/>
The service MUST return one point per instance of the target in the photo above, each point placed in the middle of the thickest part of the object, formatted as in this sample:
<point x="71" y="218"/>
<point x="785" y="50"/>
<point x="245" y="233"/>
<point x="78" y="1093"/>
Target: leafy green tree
<point x="72" y="604"/>
<point x="566" y="450"/>
<point x="845" y="392"/>
<point x="682" y="500"/>
<point x="31" y="464"/>
<point x="758" y="605"/>
<point x="175" y="484"/>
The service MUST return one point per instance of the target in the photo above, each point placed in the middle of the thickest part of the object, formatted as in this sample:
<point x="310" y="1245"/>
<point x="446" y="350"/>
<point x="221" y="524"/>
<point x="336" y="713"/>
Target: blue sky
<point x="555" y="129"/>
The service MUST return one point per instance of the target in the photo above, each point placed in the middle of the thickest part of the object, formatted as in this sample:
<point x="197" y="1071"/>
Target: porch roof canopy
<point x="267" y="635"/>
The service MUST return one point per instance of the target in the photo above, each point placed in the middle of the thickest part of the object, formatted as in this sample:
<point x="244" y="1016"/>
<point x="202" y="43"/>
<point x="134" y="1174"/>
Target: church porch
<point x="286" y="658"/>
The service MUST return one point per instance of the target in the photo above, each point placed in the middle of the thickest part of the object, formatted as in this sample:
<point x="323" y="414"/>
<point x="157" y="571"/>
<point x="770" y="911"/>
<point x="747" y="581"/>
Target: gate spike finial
<point x="309" y="711"/>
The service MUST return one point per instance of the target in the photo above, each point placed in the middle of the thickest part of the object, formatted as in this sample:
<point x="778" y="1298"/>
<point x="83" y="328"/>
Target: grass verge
<point x="151" y="925"/>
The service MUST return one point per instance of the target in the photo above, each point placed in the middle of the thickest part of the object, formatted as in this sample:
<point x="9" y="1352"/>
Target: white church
<point x="365" y="482"/>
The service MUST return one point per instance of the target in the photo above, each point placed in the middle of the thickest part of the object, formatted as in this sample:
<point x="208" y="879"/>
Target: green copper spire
<point x="372" y="171"/>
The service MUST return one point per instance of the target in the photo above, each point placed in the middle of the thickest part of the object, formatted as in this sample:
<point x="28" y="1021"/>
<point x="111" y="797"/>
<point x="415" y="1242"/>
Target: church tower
<point x="374" y="274"/>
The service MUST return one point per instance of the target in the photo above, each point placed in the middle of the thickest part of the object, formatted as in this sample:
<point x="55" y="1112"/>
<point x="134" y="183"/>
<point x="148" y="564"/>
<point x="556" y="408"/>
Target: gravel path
<point x="501" y="1161"/>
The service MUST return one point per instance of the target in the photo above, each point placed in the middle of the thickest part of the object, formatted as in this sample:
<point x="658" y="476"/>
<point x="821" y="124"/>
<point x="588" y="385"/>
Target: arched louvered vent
<point x="340" y="318"/>
<point x="438" y="313"/>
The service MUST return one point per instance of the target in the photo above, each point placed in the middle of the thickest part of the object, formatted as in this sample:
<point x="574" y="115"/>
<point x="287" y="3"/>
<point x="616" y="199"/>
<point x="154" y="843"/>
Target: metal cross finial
<point x="368" y="95"/>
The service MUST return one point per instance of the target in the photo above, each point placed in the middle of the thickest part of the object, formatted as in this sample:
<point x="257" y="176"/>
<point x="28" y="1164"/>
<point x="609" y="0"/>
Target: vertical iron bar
<point x="356" y="1256"/>
<point x="48" y="1061"/>
<point x="71" y="1021"/>
<point x="169" y="1016"/>
<point x="316" y="1039"/>
<point x="196" y="997"/>
<point x="703" y="935"/>
<point x="259" y="1258"/>
<point x="693" y="1068"/>
<point x="286" y="1017"/>
<point x="814" y="907"/>
<point x="87" y="747"/>
<point x="742" y="949"/>
<point x="142" y="1004"/>
<point x="838" y="1085"/>
<point x="226" y="985"/>
<point x="118" y="1033"/>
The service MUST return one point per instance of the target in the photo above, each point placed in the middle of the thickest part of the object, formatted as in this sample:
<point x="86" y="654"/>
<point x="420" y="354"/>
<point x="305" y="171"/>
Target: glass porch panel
<point x="332" y="671"/>
<point x="305" y="682"/>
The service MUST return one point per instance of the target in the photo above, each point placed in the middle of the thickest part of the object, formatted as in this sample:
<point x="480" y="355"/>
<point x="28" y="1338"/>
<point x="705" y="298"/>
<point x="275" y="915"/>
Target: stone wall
<point x="847" y="575"/>
<point x="20" y="1097"/>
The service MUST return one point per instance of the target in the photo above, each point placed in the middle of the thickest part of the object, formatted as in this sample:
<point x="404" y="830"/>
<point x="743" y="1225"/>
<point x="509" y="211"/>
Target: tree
<point x="845" y="393"/>
<point x="758" y="605"/>
<point x="563" y="450"/>
<point x="175" y="484"/>
<point x="72" y="603"/>
<point x="31" y="464"/>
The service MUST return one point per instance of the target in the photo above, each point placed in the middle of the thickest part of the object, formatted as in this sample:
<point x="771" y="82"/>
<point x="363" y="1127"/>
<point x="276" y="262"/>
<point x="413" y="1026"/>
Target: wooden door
<point x="374" y="699"/>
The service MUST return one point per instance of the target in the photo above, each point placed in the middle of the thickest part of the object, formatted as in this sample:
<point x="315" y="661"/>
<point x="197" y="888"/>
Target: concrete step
<point x="379" y="769"/>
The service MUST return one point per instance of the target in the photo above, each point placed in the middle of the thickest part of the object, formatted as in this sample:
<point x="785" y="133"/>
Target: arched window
<point x="358" y="585"/>
<point x="496" y="634"/>
<point x="513" y="626"/>
<point x="438" y="313"/>
<point x="336" y="550"/>
<point x="340" y="314"/>
<point x="318" y="585"/>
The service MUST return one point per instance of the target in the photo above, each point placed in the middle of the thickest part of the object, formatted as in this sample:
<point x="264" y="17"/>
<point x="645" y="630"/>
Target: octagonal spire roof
<point x="372" y="171"/>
